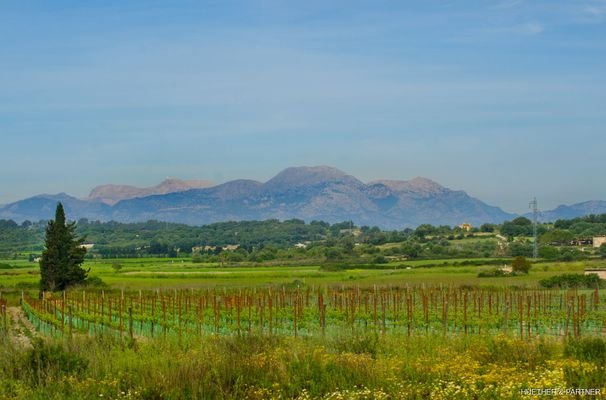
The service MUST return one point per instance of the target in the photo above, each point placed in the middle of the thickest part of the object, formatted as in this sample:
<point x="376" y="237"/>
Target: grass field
<point x="179" y="273"/>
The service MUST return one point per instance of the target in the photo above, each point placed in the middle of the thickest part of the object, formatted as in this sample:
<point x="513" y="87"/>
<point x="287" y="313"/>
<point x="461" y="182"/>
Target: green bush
<point x="493" y="273"/>
<point x="591" y="349"/>
<point x="549" y="252"/>
<point x="95" y="281"/>
<point x="380" y="259"/>
<point x="579" y="281"/>
<point x="521" y="264"/>
<point x="571" y="254"/>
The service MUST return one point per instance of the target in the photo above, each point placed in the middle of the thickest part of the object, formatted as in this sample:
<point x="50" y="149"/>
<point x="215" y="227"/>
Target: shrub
<point x="493" y="273"/>
<point x="380" y="259"/>
<point x="497" y="273"/>
<point x="95" y="281"/>
<point x="591" y="349"/>
<point x="520" y="264"/>
<point x="571" y="254"/>
<point x="590" y="281"/>
<point x="549" y="253"/>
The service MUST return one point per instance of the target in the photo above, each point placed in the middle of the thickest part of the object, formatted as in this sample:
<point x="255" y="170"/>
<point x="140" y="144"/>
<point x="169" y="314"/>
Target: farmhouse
<point x="601" y="272"/>
<point x="598" y="241"/>
<point x="466" y="227"/>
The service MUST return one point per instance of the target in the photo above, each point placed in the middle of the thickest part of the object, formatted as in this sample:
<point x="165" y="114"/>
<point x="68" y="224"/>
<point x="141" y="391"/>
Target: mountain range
<point x="308" y="193"/>
<point x="111" y="194"/>
<point x="573" y="210"/>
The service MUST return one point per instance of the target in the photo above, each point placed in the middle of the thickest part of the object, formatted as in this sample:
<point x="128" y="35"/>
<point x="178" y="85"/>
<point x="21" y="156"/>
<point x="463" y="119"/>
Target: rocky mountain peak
<point x="308" y="176"/>
<point x="417" y="185"/>
<point x="425" y="185"/>
<point x="112" y="194"/>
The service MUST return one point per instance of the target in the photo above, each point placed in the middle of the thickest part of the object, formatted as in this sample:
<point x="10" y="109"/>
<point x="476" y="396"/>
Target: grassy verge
<point x="260" y="367"/>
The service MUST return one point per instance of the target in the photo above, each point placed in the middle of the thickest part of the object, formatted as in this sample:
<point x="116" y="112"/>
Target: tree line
<point x="294" y="239"/>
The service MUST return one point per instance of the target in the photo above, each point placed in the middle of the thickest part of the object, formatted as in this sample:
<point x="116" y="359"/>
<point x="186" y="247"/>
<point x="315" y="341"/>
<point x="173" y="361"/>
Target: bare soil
<point x="21" y="330"/>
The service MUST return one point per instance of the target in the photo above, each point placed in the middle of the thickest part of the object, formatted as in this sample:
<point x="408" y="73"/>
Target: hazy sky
<point x="504" y="99"/>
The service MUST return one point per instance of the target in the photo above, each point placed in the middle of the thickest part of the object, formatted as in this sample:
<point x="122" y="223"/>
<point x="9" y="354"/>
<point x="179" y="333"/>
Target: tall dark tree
<point x="60" y="266"/>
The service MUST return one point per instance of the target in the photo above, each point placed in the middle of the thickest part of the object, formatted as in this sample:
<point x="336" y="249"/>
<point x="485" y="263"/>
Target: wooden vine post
<point x="465" y="312"/>
<point x="4" y="322"/>
<point x="70" y="320"/>
<point x="295" y="316"/>
<point x="130" y="322"/>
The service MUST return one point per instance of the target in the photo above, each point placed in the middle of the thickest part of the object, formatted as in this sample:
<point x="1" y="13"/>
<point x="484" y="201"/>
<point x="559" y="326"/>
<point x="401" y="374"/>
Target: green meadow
<point x="150" y="273"/>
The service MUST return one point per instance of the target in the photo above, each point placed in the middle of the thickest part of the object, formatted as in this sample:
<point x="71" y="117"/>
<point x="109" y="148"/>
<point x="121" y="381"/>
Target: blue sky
<point x="504" y="99"/>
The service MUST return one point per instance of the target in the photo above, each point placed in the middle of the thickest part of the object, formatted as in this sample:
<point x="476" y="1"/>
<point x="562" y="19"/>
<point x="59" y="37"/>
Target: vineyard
<point x="318" y="311"/>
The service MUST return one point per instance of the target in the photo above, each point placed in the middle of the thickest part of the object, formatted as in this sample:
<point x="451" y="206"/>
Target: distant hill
<point x="42" y="207"/>
<point x="574" y="210"/>
<point x="111" y="194"/>
<point x="308" y="193"/>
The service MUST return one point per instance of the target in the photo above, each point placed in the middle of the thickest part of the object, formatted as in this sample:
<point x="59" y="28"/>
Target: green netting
<point x="418" y="312"/>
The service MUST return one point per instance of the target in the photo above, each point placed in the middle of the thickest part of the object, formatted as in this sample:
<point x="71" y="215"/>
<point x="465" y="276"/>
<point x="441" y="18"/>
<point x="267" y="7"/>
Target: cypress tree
<point x="60" y="266"/>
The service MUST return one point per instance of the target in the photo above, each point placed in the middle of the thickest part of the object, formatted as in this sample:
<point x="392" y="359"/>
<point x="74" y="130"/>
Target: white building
<point x="598" y="241"/>
<point x="599" y="272"/>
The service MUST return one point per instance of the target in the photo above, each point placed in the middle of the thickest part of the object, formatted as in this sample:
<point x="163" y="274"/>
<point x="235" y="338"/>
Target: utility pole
<point x="534" y="206"/>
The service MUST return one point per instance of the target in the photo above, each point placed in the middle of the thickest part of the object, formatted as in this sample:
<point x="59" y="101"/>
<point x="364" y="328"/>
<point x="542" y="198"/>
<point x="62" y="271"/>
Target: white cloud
<point x="527" y="28"/>
<point x="507" y="4"/>
<point x="596" y="9"/>
<point x="530" y="28"/>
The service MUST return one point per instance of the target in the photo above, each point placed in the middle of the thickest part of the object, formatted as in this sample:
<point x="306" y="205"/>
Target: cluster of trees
<point x="520" y="226"/>
<point x="24" y="237"/>
<point x="260" y="241"/>
<point x="353" y="249"/>
<point x="588" y="226"/>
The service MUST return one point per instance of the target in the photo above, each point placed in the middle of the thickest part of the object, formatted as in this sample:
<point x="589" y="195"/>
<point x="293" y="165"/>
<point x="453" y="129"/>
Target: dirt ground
<point x="21" y="330"/>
